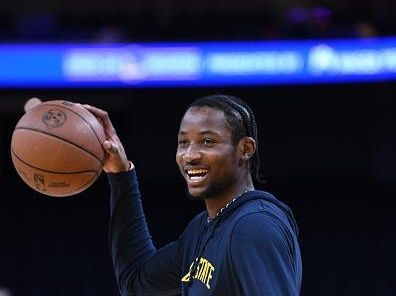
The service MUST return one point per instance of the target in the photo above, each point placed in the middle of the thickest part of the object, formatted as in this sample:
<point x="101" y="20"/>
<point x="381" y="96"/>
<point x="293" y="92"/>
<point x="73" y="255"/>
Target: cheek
<point x="178" y="158"/>
<point x="227" y="165"/>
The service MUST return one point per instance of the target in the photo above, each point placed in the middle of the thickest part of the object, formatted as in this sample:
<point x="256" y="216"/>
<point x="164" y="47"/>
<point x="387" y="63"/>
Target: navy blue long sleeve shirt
<point x="250" y="249"/>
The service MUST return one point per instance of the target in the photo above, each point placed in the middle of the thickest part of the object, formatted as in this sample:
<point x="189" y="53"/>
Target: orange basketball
<point x="57" y="149"/>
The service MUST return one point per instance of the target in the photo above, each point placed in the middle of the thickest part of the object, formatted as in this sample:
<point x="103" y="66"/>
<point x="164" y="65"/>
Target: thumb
<point x="109" y="147"/>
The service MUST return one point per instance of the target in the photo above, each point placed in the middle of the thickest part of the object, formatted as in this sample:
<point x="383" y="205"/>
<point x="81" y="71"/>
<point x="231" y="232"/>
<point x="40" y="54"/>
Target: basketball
<point x="56" y="148"/>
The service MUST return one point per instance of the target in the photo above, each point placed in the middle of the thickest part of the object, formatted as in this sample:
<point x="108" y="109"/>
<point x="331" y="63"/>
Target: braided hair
<point x="240" y="118"/>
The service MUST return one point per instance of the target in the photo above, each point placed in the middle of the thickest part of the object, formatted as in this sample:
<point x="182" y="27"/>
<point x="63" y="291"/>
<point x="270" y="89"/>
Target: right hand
<point x="116" y="160"/>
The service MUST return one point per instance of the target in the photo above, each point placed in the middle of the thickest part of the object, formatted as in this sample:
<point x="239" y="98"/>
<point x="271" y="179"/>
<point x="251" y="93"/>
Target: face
<point x="206" y="157"/>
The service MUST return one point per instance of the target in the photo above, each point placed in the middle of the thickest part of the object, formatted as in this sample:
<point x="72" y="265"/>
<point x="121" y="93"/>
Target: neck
<point x="215" y="204"/>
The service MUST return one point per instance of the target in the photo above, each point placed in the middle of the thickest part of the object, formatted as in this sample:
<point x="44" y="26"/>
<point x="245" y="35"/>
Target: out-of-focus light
<point x="5" y="292"/>
<point x="198" y="64"/>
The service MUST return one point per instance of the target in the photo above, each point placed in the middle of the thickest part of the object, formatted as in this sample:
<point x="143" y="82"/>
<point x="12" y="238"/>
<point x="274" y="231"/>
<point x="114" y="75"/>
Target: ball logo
<point x="39" y="182"/>
<point x="54" y="118"/>
<point x="67" y="103"/>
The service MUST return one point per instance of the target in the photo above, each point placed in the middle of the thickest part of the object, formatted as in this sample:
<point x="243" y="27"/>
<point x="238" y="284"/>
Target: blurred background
<point x="327" y="149"/>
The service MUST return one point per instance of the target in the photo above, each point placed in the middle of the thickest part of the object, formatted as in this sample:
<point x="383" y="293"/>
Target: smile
<point x="196" y="175"/>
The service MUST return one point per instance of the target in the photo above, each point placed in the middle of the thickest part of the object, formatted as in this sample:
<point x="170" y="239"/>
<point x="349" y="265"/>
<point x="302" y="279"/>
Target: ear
<point x="247" y="147"/>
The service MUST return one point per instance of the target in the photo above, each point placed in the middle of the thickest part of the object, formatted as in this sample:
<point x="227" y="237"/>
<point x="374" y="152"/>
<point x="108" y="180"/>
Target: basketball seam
<point x="75" y="191"/>
<point x="71" y="110"/>
<point x="59" y="138"/>
<point x="53" y="172"/>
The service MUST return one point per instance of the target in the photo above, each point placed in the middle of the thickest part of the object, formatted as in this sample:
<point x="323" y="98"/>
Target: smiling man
<point x="245" y="243"/>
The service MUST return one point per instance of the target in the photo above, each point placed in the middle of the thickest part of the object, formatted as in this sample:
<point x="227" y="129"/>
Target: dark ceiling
<point x="121" y="20"/>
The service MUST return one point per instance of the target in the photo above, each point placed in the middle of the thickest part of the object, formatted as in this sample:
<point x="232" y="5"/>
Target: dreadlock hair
<point x="240" y="118"/>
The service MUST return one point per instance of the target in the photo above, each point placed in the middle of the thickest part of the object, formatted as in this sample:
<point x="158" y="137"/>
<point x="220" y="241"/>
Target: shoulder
<point x="260" y="237"/>
<point x="263" y="207"/>
<point x="259" y="225"/>
<point x="263" y="220"/>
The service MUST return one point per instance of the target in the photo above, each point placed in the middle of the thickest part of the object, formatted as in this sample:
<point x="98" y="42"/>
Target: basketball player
<point x="245" y="243"/>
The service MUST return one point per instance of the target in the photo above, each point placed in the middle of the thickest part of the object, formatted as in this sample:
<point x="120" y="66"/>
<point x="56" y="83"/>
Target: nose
<point x="192" y="154"/>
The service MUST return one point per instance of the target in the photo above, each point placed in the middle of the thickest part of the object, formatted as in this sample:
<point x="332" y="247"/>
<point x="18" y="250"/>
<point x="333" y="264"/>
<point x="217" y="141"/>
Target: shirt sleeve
<point x="262" y="253"/>
<point x="139" y="268"/>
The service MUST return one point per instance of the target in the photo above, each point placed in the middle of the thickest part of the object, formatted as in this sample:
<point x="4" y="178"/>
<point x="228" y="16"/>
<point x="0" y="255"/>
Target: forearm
<point x="129" y="238"/>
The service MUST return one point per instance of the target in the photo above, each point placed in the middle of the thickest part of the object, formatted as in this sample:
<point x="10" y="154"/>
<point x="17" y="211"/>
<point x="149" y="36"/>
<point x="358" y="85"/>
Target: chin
<point x="195" y="194"/>
<point x="205" y="193"/>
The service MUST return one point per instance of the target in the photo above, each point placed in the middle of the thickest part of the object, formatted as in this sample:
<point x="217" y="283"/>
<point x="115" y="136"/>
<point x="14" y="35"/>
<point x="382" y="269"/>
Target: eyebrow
<point x="204" y="132"/>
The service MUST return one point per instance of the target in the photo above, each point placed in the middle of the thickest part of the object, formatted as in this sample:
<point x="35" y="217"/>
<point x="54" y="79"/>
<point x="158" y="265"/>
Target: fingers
<point x="110" y="147"/>
<point x="116" y="160"/>
<point x="103" y="117"/>
<point x="96" y="111"/>
<point x="31" y="103"/>
<point x="107" y="146"/>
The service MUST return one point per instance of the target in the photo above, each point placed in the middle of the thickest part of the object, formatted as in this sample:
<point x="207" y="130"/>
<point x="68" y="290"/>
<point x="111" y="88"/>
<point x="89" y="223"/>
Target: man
<point x="245" y="243"/>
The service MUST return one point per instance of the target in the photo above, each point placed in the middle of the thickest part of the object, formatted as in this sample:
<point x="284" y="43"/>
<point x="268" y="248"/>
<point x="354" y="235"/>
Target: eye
<point x="208" y="142"/>
<point x="182" y="142"/>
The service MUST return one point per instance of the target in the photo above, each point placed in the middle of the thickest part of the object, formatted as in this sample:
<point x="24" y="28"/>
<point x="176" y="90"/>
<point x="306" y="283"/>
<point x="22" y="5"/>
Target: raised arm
<point x="140" y="269"/>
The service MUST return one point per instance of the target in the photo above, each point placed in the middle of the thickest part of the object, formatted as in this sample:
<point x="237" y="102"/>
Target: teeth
<point x="196" y="175"/>
<point x="197" y="171"/>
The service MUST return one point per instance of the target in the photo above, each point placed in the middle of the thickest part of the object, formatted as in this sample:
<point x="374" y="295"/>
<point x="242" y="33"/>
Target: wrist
<point x="131" y="166"/>
<point x="120" y="168"/>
